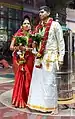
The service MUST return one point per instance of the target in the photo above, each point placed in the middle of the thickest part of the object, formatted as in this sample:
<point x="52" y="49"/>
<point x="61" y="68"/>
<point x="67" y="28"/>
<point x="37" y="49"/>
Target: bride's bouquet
<point x="20" y="41"/>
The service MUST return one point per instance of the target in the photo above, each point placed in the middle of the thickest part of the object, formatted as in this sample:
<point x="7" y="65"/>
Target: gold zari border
<point x="43" y="109"/>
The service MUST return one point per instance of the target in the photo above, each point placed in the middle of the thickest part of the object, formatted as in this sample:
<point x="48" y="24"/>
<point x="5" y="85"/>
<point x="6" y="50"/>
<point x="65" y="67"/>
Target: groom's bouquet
<point x="37" y="38"/>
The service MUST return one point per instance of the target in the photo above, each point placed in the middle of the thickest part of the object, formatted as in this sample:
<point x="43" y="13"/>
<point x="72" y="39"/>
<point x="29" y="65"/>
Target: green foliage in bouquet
<point x="21" y="40"/>
<point x="36" y="37"/>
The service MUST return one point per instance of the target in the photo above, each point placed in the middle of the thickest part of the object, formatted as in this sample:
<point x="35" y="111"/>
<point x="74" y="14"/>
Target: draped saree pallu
<point x="22" y="77"/>
<point x="43" y="90"/>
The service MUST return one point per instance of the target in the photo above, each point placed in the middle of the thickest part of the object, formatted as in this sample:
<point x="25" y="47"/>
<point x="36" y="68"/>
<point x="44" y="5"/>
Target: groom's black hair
<point x="46" y="8"/>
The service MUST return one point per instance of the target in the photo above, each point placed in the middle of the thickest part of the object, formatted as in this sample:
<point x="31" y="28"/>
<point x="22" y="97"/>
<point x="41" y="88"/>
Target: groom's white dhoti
<point x="43" y="90"/>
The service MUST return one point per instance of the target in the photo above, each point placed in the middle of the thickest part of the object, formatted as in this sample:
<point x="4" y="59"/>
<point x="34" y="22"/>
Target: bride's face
<point x="26" y="25"/>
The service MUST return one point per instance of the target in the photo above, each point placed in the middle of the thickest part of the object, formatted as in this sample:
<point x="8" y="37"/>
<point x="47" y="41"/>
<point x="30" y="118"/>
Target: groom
<point x="43" y="90"/>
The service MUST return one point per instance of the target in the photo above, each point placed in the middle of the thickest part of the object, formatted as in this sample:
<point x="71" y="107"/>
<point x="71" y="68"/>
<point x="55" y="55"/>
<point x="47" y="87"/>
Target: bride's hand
<point x="22" y="48"/>
<point x="16" y="48"/>
<point x="26" y="48"/>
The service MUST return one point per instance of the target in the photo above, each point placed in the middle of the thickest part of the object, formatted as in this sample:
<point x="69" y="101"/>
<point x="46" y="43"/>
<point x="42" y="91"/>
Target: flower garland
<point x="45" y="37"/>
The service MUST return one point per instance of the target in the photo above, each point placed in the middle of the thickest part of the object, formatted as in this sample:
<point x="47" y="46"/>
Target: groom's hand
<point x="38" y="55"/>
<point x="60" y="64"/>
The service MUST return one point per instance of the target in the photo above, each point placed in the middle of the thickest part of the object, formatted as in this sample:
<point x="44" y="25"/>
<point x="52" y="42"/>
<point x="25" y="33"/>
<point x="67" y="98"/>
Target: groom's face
<point x="43" y="14"/>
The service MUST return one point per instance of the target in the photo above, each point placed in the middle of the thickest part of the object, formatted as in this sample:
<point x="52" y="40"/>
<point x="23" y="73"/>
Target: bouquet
<point x="20" y="54"/>
<point x="37" y="38"/>
<point x="21" y="40"/>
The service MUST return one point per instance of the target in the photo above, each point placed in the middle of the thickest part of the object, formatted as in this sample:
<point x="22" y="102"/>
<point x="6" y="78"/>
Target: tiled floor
<point x="9" y="112"/>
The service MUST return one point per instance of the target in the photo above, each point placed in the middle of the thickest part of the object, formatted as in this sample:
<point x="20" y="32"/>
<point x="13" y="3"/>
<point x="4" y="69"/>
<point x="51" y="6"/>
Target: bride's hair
<point x="26" y="17"/>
